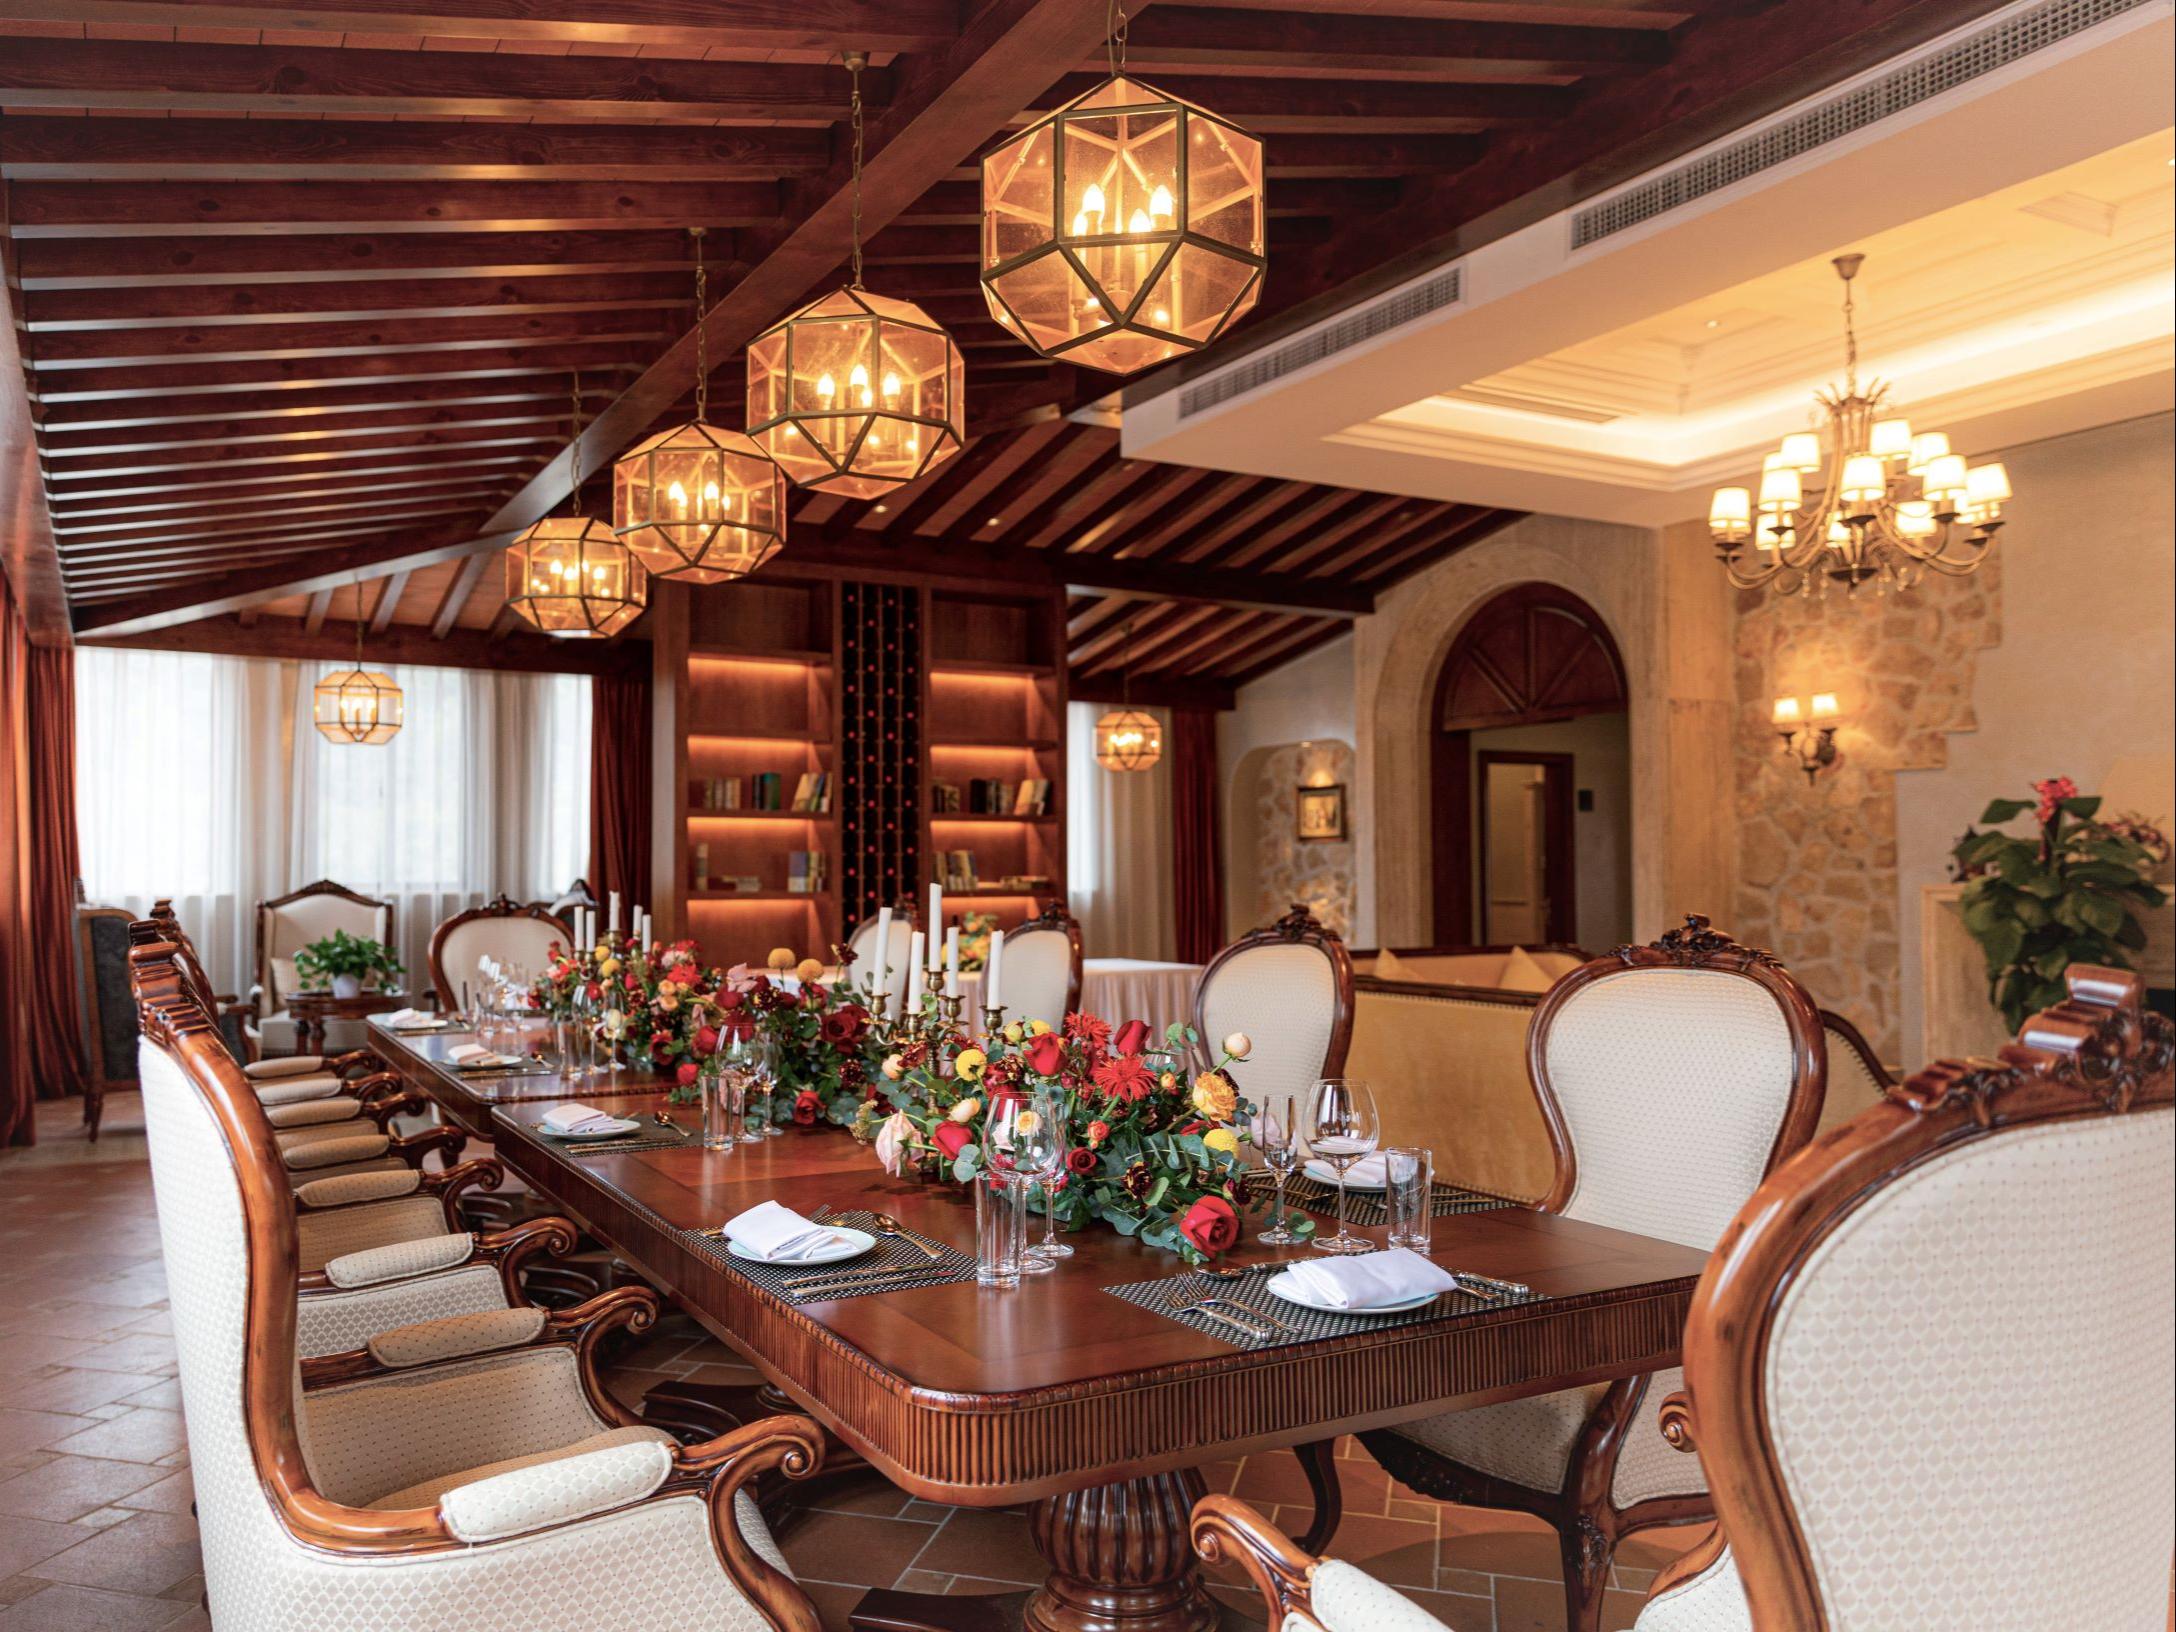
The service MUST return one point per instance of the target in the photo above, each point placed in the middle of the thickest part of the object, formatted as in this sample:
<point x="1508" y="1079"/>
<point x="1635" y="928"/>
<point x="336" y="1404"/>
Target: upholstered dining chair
<point x="506" y="931"/>
<point x="1672" y="1077"/>
<point x="461" y="1473"/>
<point x="862" y="943"/>
<point x="1289" y="988"/>
<point x="1990" y="1221"/>
<point x="1856" y="1077"/>
<point x="1043" y="967"/>
<point x="290" y="923"/>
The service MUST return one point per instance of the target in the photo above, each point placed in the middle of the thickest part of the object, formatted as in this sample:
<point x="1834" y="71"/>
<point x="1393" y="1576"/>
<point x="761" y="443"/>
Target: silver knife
<point x="1490" y="1285"/>
<point x="852" y="1277"/>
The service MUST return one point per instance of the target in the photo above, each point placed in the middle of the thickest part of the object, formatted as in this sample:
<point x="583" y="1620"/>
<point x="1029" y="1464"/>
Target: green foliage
<point x="2071" y="892"/>
<point x="343" y="954"/>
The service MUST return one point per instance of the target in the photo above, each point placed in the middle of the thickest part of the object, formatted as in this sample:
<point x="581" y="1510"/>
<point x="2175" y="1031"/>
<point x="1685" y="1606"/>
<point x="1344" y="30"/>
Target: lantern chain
<point x="1114" y="29"/>
<point x="702" y="337"/>
<point x="574" y="449"/>
<point x="855" y="62"/>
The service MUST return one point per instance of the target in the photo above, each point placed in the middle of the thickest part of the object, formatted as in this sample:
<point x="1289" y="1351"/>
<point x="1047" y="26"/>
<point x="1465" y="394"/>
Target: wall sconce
<point x="1808" y="730"/>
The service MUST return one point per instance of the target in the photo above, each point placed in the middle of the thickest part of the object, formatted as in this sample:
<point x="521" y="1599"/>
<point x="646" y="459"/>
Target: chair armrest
<point x="379" y="1110"/>
<point x="1227" y="1530"/>
<point x="399" y="1260"/>
<point x="446" y="1141"/>
<point x="287" y="1065"/>
<point x="430" y="1342"/>
<point x="509" y="1249"/>
<point x="450" y="1183"/>
<point x="361" y="1147"/>
<point x="345" y="1062"/>
<point x="356" y="1189"/>
<point x="1674" y="1418"/>
<point x="314" y="1113"/>
<point x="555" y="1492"/>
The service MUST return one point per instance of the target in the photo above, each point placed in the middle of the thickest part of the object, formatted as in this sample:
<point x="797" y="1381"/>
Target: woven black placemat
<point x="651" y="1138"/>
<point x="1373" y="1206"/>
<point x="915" y="1267"/>
<point x="1169" y="1295"/>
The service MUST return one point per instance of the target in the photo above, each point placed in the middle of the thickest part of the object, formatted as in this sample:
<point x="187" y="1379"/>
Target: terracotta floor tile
<point x="1391" y="1550"/>
<point x="36" y="1430"/>
<point x="68" y="1389"/>
<point x="27" y="1542"/>
<point x="1508" y="1551"/>
<point x="143" y="1352"/>
<point x="70" y="1486"/>
<point x="993" y="1546"/>
<point x="869" y="1493"/>
<point x="146" y="1555"/>
<point x="83" y="1609"/>
<point x="851" y="1548"/>
<point x="922" y="1581"/>
<point x="140" y="1436"/>
<point x="1536" y="1606"/>
<point x="81" y="1321"/>
<point x="163" y="1395"/>
<point x="172" y="1494"/>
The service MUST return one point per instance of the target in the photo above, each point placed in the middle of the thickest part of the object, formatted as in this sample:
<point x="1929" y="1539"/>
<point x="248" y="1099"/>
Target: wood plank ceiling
<point x="299" y="285"/>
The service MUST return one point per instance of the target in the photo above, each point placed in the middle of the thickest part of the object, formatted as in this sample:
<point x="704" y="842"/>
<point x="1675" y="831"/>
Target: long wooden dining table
<point x="1097" y="1410"/>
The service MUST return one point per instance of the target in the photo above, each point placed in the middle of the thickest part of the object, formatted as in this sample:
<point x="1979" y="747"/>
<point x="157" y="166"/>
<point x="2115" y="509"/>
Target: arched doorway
<point x="1531" y="775"/>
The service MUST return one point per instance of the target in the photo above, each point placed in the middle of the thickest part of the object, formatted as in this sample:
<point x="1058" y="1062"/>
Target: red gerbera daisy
<point x="1086" y="1028"/>
<point x="1123" y="1076"/>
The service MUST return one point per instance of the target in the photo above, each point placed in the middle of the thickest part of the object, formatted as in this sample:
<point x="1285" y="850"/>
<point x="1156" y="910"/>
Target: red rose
<point x="1081" y="1160"/>
<point x="842" y="1026"/>
<point x="1098" y="1132"/>
<point x="807" y="1107"/>
<point x="687" y="1074"/>
<point x="629" y="981"/>
<point x="730" y="1000"/>
<point x="1046" y="1053"/>
<point x="1132" y="1037"/>
<point x="951" y="1138"/>
<point x="1210" y="1224"/>
<point x="706" y="1040"/>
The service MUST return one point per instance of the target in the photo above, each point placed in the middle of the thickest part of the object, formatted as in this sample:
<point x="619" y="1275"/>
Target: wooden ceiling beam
<point x="1181" y="37"/>
<point x="390" y="589"/>
<point x="313" y="621"/>
<point x="213" y="479"/>
<point x="1267" y="107"/>
<point x="28" y="553"/>
<point x="1022" y="504"/>
<point x="744" y="26"/>
<point x="1353" y="560"/>
<point x="1387" y="512"/>
<point x="1265" y="503"/>
<point x="213" y="519"/>
<point x="309" y="410"/>
<point x="242" y="305"/>
<point x="1165" y="486"/>
<point x="1112" y="649"/>
<point x="1166" y="524"/>
<point x="1464" y="538"/>
<point x="943" y="507"/>
<point x="59" y="354"/>
<point x="226" y="379"/>
<point x="148" y="75"/>
<point x="50" y="148"/>
<point x="150" y="209"/>
<point x="1275" y="654"/>
<point x="277" y="532"/>
<point x="190" y="259"/>
<point x="245" y="634"/>
<point x="363" y="441"/>
<point x="458" y="591"/>
<point x="1106" y="492"/>
<point x="1157" y="688"/>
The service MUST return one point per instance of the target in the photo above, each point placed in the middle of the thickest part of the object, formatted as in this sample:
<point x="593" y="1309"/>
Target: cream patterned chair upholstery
<point x="510" y="934"/>
<point x="1301" y="1593"/>
<point x="1289" y="988"/>
<point x="466" y="1477"/>
<point x="1856" y="1079"/>
<point x="288" y="924"/>
<point x="862" y="943"/>
<point x="1043" y="968"/>
<point x="1872" y="1358"/>
<point x="1672" y="1078"/>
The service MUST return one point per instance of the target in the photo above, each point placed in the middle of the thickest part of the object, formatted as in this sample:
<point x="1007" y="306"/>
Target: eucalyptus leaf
<point x="2005" y="810"/>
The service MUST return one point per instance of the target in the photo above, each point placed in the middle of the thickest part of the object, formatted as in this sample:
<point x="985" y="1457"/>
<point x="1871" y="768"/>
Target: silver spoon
<point x="885" y="1224"/>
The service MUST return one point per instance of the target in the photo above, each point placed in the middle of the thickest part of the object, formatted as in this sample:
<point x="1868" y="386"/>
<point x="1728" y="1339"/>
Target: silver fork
<point x="1222" y="1310"/>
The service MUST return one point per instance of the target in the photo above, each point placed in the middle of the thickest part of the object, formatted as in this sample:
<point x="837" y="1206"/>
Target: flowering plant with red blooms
<point x="1150" y="1150"/>
<point x="820" y="1029"/>
<point x="669" y="1004"/>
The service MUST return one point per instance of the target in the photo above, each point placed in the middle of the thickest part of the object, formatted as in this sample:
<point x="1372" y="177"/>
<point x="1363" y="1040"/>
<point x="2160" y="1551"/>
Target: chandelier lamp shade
<point x="1866" y="498"/>
<point x="570" y="575"/>
<point x="1127" y="739"/>
<point x="696" y="503"/>
<point x="360" y="706"/>
<point x="1123" y="229"/>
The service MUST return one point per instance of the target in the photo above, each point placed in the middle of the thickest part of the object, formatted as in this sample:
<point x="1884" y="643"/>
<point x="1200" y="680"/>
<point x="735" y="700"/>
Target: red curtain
<point x="1197" y="846"/>
<point x="38" y="1009"/>
<point x="619" y="787"/>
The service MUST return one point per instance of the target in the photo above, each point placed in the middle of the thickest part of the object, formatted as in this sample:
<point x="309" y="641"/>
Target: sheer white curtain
<point x="1117" y="847"/>
<point x="202" y="778"/>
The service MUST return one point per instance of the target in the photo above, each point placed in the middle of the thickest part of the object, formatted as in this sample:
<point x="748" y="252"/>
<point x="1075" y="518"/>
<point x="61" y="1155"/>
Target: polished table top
<point x="966" y="1394"/>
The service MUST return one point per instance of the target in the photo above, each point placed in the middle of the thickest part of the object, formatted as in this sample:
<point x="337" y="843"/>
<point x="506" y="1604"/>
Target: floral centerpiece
<point x="2071" y="892"/>
<point x="1150" y="1150"/>
<point x="668" y="1008"/>
<point x="820" y="1030"/>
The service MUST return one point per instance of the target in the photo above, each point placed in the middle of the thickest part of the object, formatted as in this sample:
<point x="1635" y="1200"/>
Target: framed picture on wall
<point x="1322" y="814"/>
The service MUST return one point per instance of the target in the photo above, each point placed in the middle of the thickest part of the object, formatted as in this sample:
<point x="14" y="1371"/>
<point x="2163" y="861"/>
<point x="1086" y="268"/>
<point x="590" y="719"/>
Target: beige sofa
<point x="1446" y="1056"/>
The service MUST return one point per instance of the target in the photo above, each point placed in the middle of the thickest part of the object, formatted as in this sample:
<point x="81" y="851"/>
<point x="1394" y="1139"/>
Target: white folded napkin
<point x="578" y="1118"/>
<point x="1366" y="1173"/>
<point x="1370" y="1279"/>
<point x="779" y="1233"/>
<point x="400" y="1018"/>
<point x="477" y="1054"/>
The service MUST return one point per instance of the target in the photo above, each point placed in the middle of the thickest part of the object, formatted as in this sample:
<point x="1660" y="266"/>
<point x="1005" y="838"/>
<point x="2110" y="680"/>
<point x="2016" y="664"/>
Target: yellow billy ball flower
<point x="968" y="1063"/>
<point x="811" y="970"/>
<point x="781" y="957"/>
<point x="1222" y="1139"/>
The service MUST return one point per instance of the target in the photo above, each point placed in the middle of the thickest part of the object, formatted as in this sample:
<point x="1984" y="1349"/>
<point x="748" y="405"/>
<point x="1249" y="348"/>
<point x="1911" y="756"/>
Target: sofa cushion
<point x="1522" y="974"/>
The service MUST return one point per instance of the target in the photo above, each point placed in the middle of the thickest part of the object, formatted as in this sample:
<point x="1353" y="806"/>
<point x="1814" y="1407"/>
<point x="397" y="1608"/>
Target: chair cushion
<point x="362" y="1147"/>
<point x="322" y="1237"/>
<point x="459" y="1337"/>
<point x="400" y="1259"/>
<point x="1712" y="1601"/>
<point x="375" y="1164"/>
<point x="295" y="1138"/>
<point x="1350" y="1600"/>
<point x="1528" y="1442"/>
<point x="332" y="1320"/>
<point x="293" y="1065"/>
<point x="291" y="1090"/>
<point x="307" y="1113"/>
<point x="594" y="1479"/>
<point x="360" y="1187"/>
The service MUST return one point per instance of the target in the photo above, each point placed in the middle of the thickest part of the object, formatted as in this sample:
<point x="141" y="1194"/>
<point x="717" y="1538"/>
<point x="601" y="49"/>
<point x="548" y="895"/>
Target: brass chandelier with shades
<point x="568" y="575"/>
<point x="699" y="504"/>
<point x="358" y="705"/>
<point x="856" y="393"/>
<point x="1125" y="228"/>
<point x="1865" y="499"/>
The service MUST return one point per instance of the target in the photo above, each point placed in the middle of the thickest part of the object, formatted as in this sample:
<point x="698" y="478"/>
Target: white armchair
<point x="290" y="923"/>
<point x="1929" y="1370"/>
<point x="1043" y="967"/>
<point x="1289" y="988"/>
<point x="1301" y="1593"/>
<point x="1672" y="1077"/>
<point x="511" y="934"/>
<point x="466" y="1493"/>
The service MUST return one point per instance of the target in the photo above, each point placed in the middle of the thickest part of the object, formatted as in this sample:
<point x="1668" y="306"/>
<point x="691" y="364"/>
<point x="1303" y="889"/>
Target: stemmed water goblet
<point x="1046" y="1253"/>
<point x="1275" y="1137"/>
<point x="764" y="1062"/>
<point x="1020" y="1144"/>
<point x="1341" y="1129"/>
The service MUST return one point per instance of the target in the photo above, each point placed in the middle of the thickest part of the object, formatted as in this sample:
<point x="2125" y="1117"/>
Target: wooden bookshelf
<point x="993" y="707"/>
<point x="744" y="682"/>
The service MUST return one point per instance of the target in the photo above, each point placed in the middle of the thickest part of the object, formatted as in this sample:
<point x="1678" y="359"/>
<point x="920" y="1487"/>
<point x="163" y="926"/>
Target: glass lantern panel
<point x="790" y="446"/>
<point x="1224" y="184"/>
<point x="1122" y="351"/>
<point x="915" y="373"/>
<point x="766" y="377"/>
<point x="1119" y="274"/>
<point x="1017" y="206"/>
<point x="828" y="365"/>
<point x="1199" y="292"/>
<point x="1046" y="299"/>
<point x="1116" y="93"/>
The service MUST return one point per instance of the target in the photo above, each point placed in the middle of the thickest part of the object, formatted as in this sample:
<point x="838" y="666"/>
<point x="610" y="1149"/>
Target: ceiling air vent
<point x="1416" y="300"/>
<point x="1957" y="63"/>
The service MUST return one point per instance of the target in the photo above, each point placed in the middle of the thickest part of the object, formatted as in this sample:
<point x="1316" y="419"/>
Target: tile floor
<point x="95" y="1532"/>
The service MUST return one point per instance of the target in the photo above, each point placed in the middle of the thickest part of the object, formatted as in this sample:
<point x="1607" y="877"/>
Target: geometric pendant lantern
<point x="1123" y="229"/>
<point x="699" y="504"/>
<point x="1128" y="739"/>
<point x="358" y="705"/>
<point x="568" y="575"/>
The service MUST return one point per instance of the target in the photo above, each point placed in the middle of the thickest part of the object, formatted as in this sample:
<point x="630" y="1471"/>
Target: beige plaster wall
<point x="1318" y="872"/>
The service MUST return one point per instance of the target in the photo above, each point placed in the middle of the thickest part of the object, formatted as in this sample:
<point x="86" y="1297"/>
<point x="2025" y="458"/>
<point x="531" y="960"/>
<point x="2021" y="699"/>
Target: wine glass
<point x="1023" y="1139"/>
<point x="1274" y="1136"/>
<point x="737" y="1056"/>
<point x="1046" y="1252"/>
<point x="764" y="1064"/>
<point x="615" y="1035"/>
<point x="1342" y="1128"/>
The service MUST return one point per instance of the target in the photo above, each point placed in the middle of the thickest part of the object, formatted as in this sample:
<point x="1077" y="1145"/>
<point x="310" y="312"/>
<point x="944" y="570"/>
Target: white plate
<point x="856" y="1243"/>
<point x="1283" y="1286"/>
<point x="620" y="1131"/>
<point x="1323" y="1173"/>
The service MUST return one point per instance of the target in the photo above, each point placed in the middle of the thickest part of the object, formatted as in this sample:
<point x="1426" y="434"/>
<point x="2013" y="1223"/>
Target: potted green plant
<point x="2072" y="892"/>
<point x="347" y="963"/>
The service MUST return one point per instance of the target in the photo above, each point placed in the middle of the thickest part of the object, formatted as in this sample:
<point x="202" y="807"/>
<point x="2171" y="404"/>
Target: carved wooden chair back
<point x="862" y="943"/>
<point x="1672" y="1077"/>
<point x="293" y="921"/>
<point x="513" y="935"/>
<point x="1042" y="971"/>
<point x="1992" y="1225"/>
<point x="1856" y="1077"/>
<point x="1289" y="989"/>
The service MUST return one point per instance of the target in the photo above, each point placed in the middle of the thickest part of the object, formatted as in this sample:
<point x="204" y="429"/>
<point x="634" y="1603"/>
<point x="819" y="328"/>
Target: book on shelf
<point x="958" y="870"/>
<point x="944" y="798"/>
<point x="1032" y="798"/>
<point x="812" y="794"/>
<point x="1026" y="883"/>
<point x="701" y="880"/>
<point x="807" y="872"/>
<point x="746" y="884"/>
